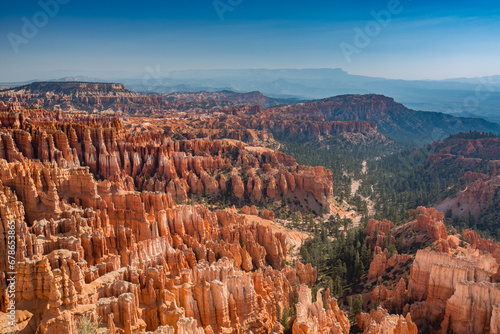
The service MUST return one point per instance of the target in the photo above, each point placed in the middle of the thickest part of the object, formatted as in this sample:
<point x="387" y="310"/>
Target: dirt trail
<point x="355" y="184"/>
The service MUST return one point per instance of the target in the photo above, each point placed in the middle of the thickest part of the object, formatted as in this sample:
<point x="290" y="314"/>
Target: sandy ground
<point x="355" y="184"/>
<point x="258" y="149"/>
<point x="294" y="239"/>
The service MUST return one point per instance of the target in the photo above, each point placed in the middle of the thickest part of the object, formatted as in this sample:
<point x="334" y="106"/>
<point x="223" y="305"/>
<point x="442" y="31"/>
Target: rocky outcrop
<point x="430" y="222"/>
<point x="249" y="117"/>
<point x="124" y="252"/>
<point x="74" y="95"/>
<point x="480" y="301"/>
<point x="380" y="321"/>
<point x="394" y="299"/>
<point x="373" y="225"/>
<point x="477" y="190"/>
<point x="376" y="232"/>
<point x="267" y="214"/>
<point x="99" y="235"/>
<point x="315" y="318"/>
<point x="476" y="242"/>
<point x="451" y="287"/>
<point x="154" y="162"/>
<point x="391" y="117"/>
<point x="475" y="198"/>
<point x="381" y="263"/>
<point x="378" y="264"/>
<point x="438" y="281"/>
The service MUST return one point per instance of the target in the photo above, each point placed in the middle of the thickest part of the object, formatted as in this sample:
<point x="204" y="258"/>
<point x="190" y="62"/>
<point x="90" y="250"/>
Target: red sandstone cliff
<point x="154" y="162"/>
<point x="450" y="289"/>
<point x="100" y="236"/>
<point x="444" y="288"/>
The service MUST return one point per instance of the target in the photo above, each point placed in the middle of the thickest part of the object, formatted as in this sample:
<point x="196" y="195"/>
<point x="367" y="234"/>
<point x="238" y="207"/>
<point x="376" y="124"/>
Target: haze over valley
<point x="249" y="167"/>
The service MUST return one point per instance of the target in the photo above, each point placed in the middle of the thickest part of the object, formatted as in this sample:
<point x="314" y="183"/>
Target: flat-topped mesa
<point x="68" y="87"/>
<point x="77" y="96"/>
<point x="71" y="95"/>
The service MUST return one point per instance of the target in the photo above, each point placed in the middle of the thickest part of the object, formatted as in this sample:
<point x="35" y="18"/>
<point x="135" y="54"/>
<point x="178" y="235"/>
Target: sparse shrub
<point x="85" y="325"/>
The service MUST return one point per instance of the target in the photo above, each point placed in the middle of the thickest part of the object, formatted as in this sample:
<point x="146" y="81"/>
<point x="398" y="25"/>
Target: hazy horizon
<point x="410" y="40"/>
<point x="109" y="75"/>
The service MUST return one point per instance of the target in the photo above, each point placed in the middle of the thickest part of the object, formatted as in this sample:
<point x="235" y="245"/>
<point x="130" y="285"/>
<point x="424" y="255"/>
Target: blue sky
<point x="423" y="40"/>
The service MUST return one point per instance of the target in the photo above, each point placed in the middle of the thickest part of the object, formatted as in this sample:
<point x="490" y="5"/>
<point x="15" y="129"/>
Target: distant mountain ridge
<point x="70" y="87"/>
<point x="402" y="124"/>
<point x="470" y="97"/>
<point x="226" y="96"/>
<point x="98" y="96"/>
<point x="460" y="96"/>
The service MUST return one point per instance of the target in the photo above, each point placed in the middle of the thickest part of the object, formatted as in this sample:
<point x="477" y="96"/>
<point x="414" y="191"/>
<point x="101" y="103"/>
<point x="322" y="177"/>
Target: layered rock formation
<point x="380" y="321"/>
<point x="444" y="288"/>
<point x="76" y="95"/>
<point x="382" y="262"/>
<point x="101" y="237"/>
<point x="249" y="117"/>
<point x="393" y="119"/>
<point x="154" y="162"/>
<point x="322" y="316"/>
<point x="376" y="232"/>
<point x="478" y="188"/>
<point x="393" y="299"/>
<point x="452" y="285"/>
<point x="89" y="96"/>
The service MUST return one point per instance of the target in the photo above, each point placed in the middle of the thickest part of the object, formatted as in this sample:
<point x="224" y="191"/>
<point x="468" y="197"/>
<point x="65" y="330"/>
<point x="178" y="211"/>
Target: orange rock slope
<point x="101" y="235"/>
<point x="152" y="161"/>
<point x="454" y="294"/>
<point x="452" y="286"/>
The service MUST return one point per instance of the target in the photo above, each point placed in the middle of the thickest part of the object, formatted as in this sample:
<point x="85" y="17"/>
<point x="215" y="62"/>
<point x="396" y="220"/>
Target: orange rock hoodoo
<point x="444" y="288"/>
<point x="451" y="289"/>
<point x="100" y="235"/>
<point x="315" y="317"/>
<point x="153" y="162"/>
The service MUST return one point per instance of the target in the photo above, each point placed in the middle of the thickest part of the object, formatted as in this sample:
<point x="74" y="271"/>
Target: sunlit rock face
<point x="101" y="235"/>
